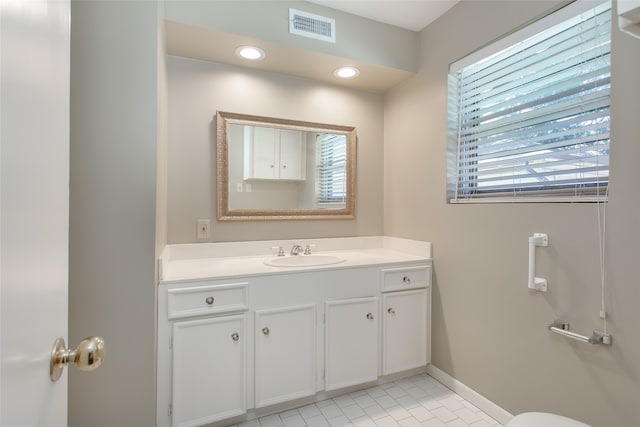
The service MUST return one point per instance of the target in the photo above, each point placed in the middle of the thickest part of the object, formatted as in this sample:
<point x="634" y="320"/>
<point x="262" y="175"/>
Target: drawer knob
<point x="209" y="300"/>
<point x="369" y="316"/>
<point x="391" y="311"/>
<point x="406" y="279"/>
<point x="235" y="336"/>
<point x="265" y="331"/>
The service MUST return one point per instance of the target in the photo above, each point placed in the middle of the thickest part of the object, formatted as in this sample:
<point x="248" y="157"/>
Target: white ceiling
<point x="409" y="14"/>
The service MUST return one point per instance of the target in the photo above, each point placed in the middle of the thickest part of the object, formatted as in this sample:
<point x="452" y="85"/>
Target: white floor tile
<point x="340" y="421"/>
<point x="386" y="401"/>
<point x="410" y="422"/>
<point x="467" y="415"/>
<point x="407" y="402"/>
<point x="343" y="401"/>
<point x="364" y="422"/>
<point x="318" y="421"/>
<point x="376" y="411"/>
<point x="434" y="422"/>
<point x="331" y="411"/>
<point x="452" y="404"/>
<point x="398" y="413"/>
<point x="288" y="414"/>
<point x="352" y="412"/>
<point x="387" y="422"/>
<point x="294" y="421"/>
<point x="444" y="414"/>
<point x="309" y="411"/>
<point x="421" y="413"/>
<point x="418" y="401"/>
<point x="271" y="421"/>
<point x="364" y="401"/>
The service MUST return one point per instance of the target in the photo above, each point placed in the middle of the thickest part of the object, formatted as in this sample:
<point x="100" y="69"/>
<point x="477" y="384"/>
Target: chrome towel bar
<point x="562" y="328"/>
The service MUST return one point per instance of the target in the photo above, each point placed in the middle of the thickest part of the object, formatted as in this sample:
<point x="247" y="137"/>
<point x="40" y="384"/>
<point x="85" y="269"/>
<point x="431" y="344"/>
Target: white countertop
<point x="240" y="259"/>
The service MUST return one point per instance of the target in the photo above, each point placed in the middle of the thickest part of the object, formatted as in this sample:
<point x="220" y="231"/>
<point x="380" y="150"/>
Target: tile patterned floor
<point x="418" y="401"/>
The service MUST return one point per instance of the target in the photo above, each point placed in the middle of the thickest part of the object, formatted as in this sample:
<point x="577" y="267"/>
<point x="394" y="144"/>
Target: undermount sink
<point x="303" y="261"/>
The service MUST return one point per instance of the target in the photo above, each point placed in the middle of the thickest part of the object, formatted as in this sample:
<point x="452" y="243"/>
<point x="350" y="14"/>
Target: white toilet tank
<point x="541" y="419"/>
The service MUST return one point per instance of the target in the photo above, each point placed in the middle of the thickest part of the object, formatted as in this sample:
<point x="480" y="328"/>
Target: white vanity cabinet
<point x="274" y="154"/>
<point x="405" y="318"/>
<point x="351" y="342"/>
<point x="240" y="339"/>
<point x="285" y="354"/>
<point x="209" y="364"/>
<point x="202" y="352"/>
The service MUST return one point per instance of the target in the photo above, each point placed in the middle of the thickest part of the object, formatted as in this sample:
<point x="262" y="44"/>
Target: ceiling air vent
<point x="310" y="25"/>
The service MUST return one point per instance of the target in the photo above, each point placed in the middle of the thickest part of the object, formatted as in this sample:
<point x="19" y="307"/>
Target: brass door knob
<point x="87" y="356"/>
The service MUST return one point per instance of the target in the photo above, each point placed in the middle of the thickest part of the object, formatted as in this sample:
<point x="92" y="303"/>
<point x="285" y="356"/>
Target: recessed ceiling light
<point x="250" y="52"/>
<point x="346" y="72"/>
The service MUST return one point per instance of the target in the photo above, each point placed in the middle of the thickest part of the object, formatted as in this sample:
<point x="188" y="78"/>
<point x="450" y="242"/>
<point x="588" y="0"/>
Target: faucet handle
<point x="278" y="249"/>
<point x="308" y="248"/>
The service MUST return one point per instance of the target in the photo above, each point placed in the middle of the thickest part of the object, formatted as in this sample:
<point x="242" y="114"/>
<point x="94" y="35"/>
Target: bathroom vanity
<point x="239" y="338"/>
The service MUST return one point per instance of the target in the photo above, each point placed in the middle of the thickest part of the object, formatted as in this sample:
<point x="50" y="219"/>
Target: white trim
<point x="484" y="404"/>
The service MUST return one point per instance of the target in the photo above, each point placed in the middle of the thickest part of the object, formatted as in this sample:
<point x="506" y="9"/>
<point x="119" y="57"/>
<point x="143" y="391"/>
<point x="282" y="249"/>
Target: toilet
<point x="541" y="419"/>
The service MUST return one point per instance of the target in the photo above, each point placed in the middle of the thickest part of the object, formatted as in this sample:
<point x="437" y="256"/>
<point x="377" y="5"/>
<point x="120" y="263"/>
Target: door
<point x="209" y="370"/>
<point x="404" y="333"/>
<point x="351" y="350"/>
<point x="292" y="159"/>
<point x="35" y="208"/>
<point x="285" y="341"/>
<point x="263" y="144"/>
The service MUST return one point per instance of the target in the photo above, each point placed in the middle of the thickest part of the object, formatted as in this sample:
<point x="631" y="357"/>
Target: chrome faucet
<point x="296" y="249"/>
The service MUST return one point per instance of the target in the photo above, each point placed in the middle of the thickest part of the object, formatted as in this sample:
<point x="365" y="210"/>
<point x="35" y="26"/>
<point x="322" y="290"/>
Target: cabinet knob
<point x="271" y="166"/>
<point x="265" y="331"/>
<point x="406" y="279"/>
<point x="209" y="300"/>
<point x="284" y="166"/>
<point x="235" y="336"/>
<point x="391" y="311"/>
<point x="369" y="316"/>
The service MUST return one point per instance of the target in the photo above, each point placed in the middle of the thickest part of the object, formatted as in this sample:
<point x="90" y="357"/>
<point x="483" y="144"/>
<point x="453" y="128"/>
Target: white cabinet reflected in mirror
<point x="273" y="169"/>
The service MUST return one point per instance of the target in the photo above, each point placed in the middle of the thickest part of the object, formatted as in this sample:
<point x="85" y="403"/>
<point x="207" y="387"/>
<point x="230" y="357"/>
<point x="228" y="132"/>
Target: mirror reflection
<point x="275" y="169"/>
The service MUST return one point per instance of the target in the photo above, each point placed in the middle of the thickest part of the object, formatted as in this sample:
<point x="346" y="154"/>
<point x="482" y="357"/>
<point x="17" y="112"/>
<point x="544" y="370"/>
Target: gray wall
<point x="489" y="330"/>
<point x="197" y="89"/>
<point x="114" y="140"/>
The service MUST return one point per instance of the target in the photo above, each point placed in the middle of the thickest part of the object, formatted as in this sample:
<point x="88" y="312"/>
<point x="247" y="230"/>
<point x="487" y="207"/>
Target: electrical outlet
<point x="203" y="226"/>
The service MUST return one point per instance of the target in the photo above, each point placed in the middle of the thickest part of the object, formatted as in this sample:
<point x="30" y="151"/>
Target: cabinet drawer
<point x="394" y="279"/>
<point x="206" y="300"/>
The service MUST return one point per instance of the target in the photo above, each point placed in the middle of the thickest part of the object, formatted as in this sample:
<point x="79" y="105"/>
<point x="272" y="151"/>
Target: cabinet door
<point x="292" y="155"/>
<point x="208" y="370"/>
<point x="263" y="147"/>
<point x="404" y="333"/>
<point x="351" y="342"/>
<point x="285" y="354"/>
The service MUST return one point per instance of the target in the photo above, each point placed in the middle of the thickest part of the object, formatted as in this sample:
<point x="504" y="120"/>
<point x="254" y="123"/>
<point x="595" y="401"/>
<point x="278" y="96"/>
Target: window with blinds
<point x="530" y="120"/>
<point x="332" y="169"/>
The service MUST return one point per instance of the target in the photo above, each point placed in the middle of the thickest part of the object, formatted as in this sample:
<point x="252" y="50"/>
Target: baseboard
<point x="484" y="404"/>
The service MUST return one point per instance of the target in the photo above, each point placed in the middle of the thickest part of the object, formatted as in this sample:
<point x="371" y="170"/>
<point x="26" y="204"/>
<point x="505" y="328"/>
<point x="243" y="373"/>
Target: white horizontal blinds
<point x="332" y="170"/>
<point x="533" y="119"/>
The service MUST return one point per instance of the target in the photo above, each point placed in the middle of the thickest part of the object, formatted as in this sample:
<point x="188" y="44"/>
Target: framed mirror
<point x="278" y="169"/>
